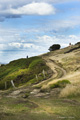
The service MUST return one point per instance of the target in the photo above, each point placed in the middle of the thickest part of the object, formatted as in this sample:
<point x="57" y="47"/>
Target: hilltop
<point x="47" y="86"/>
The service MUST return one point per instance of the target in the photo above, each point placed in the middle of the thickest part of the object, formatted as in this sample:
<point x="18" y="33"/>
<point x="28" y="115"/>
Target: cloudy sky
<point x="30" y="27"/>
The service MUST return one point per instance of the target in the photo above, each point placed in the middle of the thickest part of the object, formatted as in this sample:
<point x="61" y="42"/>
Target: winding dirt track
<point x="53" y="66"/>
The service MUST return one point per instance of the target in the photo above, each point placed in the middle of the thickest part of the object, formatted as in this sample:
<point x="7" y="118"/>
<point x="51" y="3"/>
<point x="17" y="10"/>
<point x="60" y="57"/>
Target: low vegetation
<point x="70" y="91"/>
<point x="39" y="109"/>
<point x="54" y="47"/>
<point x="23" y="71"/>
<point x="60" y="84"/>
<point x="36" y="97"/>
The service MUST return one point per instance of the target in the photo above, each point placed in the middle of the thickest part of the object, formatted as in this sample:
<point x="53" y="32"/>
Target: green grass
<point x="60" y="84"/>
<point x="22" y="71"/>
<point x="39" y="109"/>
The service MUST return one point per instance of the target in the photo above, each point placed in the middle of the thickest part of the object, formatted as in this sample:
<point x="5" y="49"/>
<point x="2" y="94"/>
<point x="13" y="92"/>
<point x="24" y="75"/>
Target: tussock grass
<point x="70" y="91"/>
<point x="57" y="84"/>
<point x="60" y="84"/>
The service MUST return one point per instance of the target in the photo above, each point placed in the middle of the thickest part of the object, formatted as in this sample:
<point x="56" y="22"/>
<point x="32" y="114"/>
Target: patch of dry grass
<point x="70" y="90"/>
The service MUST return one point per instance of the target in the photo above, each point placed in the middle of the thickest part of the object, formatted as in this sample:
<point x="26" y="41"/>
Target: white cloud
<point x="46" y="39"/>
<point x="40" y="45"/>
<point x="61" y="26"/>
<point x="19" y="46"/>
<point x="2" y="46"/>
<point x="30" y="9"/>
<point x="15" y="8"/>
<point x="61" y="39"/>
<point x="27" y="45"/>
<point x="74" y="37"/>
<point x="15" y="45"/>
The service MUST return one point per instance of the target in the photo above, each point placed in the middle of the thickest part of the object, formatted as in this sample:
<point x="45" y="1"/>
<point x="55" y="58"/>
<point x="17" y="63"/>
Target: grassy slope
<point x="22" y="71"/>
<point x="39" y="109"/>
<point x="70" y="62"/>
<point x="50" y="107"/>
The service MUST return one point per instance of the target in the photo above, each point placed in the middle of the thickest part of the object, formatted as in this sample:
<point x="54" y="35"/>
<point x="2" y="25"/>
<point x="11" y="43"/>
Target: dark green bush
<point x="54" y="47"/>
<point x="60" y="84"/>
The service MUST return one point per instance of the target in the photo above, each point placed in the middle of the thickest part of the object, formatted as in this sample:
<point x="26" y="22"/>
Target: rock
<point x="35" y="91"/>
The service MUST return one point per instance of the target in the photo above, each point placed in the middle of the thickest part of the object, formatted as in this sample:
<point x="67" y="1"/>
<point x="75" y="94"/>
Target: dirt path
<point x="53" y="66"/>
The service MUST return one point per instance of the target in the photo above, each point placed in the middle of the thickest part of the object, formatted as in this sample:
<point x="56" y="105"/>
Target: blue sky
<point x="30" y="27"/>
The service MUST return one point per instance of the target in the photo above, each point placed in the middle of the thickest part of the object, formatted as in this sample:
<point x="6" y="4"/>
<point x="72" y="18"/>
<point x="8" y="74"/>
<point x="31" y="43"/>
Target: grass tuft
<point x="60" y="84"/>
<point x="70" y="91"/>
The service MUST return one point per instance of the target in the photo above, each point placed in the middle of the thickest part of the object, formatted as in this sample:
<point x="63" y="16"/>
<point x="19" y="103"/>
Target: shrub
<point x="60" y="84"/>
<point x="54" y="47"/>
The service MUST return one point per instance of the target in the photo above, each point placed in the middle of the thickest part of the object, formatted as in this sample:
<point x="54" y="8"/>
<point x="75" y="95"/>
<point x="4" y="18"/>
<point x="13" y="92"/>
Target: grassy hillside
<point x="66" y="62"/>
<point x="53" y="97"/>
<point x="22" y="71"/>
